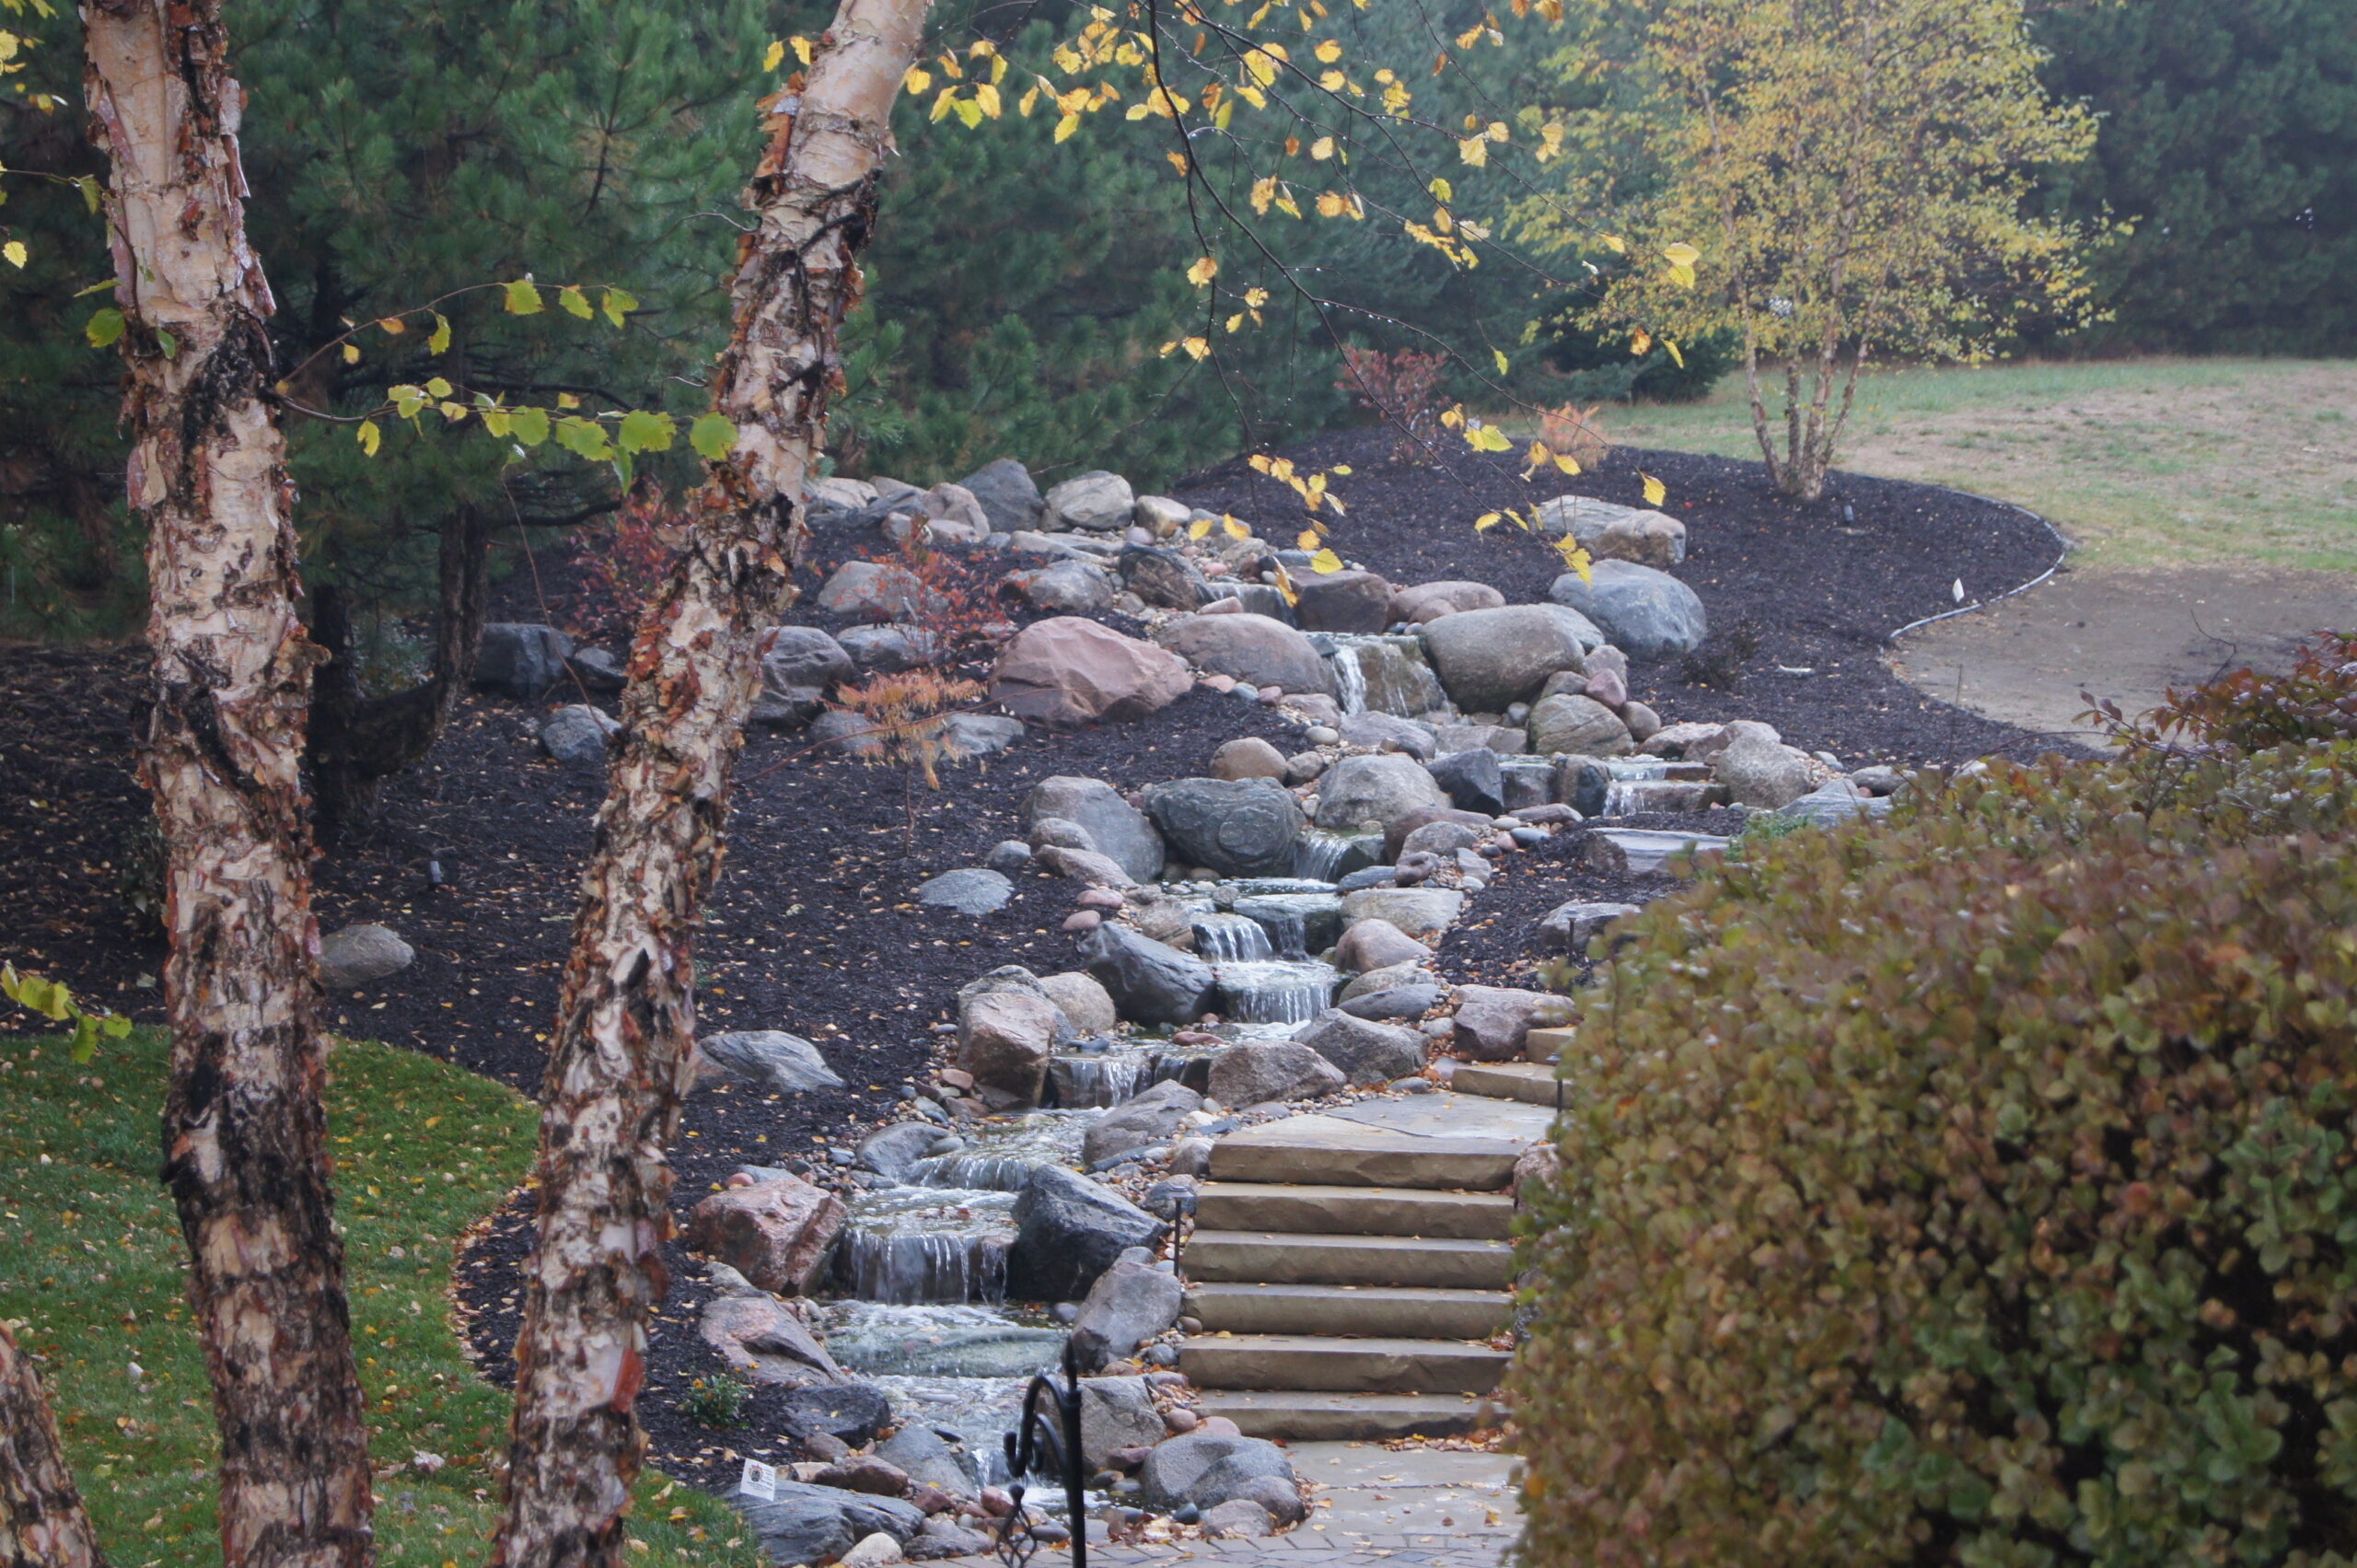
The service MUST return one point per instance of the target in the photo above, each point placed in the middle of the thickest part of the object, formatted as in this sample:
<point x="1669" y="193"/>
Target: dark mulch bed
<point x="1820" y="591"/>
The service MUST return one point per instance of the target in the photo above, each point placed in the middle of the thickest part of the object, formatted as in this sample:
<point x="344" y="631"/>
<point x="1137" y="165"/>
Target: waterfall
<point x="1350" y="681"/>
<point x="1275" y="993"/>
<point x="1321" y="857"/>
<point x="1298" y="923"/>
<point x="1003" y="1160"/>
<point x="1096" y="1078"/>
<point x="910" y="1244"/>
<point x="1231" y="939"/>
<point x="1384" y="675"/>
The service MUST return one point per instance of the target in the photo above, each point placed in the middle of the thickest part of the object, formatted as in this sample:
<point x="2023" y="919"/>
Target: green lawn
<point x="90" y="1264"/>
<point x="2149" y="462"/>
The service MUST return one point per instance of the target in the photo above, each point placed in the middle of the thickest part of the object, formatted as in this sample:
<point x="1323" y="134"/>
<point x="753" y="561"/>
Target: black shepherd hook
<point x="1032" y="1440"/>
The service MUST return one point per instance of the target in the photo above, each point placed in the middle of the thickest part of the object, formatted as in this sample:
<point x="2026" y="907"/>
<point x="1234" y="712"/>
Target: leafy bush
<point x="1597" y="360"/>
<point x="2315" y="699"/>
<point x="718" y="1402"/>
<point x="1975" y="1189"/>
<point x="1575" y="433"/>
<point x="1403" y="390"/>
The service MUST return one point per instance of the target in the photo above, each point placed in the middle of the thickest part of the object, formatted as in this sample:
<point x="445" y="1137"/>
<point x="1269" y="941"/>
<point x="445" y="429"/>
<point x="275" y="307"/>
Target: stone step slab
<point x="1532" y="1083"/>
<point x="1368" y="1311"/>
<point x="1282" y="1258"/>
<point x="1343" y="1366"/>
<point x="1340" y="1150"/>
<point x="1547" y="1045"/>
<point x="1354" y="1210"/>
<point x="1302" y="1416"/>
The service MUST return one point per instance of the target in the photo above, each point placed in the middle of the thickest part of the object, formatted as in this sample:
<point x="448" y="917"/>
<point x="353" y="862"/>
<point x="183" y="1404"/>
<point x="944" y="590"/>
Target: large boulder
<point x="877" y="590"/>
<point x="1395" y="836"/>
<point x="1238" y="827"/>
<point x="1007" y="495"/>
<point x="922" y="1456"/>
<point x="1381" y="789"/>
<point x="1149" y="981"/>
<point x="763" y="1342"/>
<point x="1429" y="601"/>
<point x="851" y="1412"/>
<point x="885" y="650"/>
<point x="1097" y="501"/>
<point x="1140" y="1121"/>
<point x="1365" y="1052"/>
<point x="1066" y="671"/>
<point x="1611" y="532"/>
<point x="803" y="656"/>
<point x="518" y="659"/>
<point x="1646" y="612"/>
<point x="1066" y="588"/>
<point x="775" y="1233"/>
<point x="819" y="1524"/>
<point x="1378" y="731"/>
<point x="1376" y="945"/>
<point x="1474" y="779"/>
<point x="1492" y="1020"/>
<point x="1412" y="910"/>
<point x="1115" y="827"/>
<point x="1490" y="659"/>
<point x="1257" y="1071"/>
<point x="1207" y="1469"/>
<point x="971" y="890"/>
<point x="1004" y="1039"/>
<point x="1762" y="772"/>
<point x="1164" y="578"/>
<point x="1578" y="724"/>
<point x="1248" y="757"/>
<point x="772" y="1060"/>
<point x="1129" y="1303"/>
<point x="892" y="1152"/>
<point x="1068" y="1231"/>
<point x="1252" y="648"/>
<point x="578" y="733"/>
<point x="359" y="954"/>
<point x="1343" y="601"/>
<point x="1086" y="1005"/>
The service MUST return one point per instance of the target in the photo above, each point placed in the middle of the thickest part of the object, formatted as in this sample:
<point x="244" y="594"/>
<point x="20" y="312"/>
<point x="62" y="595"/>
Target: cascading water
<point x="1383" y="674"/>
<point x="1350" y="679"/>
<point x="914" y="1244"/>
<point x="1231" y="939"/>
<point x="1001" y="1158"/>
<point x="1298" y="923"/>
<point x="1275" y="993"/>
<point x="1321" y="857"/>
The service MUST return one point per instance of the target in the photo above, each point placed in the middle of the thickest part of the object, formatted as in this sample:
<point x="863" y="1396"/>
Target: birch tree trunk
<point x="42" y="1524"/>
<point x="244" y="1134"/>
<point x="621" y="1053"/>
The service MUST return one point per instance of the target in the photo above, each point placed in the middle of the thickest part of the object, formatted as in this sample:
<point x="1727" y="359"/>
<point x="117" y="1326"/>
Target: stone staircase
<point x="1532" y="1082"/>
<point x="1349" y="1268"/>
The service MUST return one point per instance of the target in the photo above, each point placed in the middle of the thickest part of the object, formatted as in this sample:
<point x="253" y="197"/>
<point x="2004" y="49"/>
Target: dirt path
<point x="2123" y="634"/>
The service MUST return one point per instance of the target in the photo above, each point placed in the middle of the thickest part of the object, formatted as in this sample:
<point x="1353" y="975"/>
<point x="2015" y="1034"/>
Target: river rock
<point x="1388" y="732"/>
<point x="1097" y="501"/>
<point x="885" y="650"/>
<point x="1250" y="648"/>
<point x="893" y="1152"/>
<point x="1646" y="612"/>
<point x="1068" y="1231"/>
<point x="1115" y="827"/>
<point x="1381" y="789"/>
<point x="1083" y="865"/>
<point x="1248" y="757"/>
<point x="1066" y="671"/>
<point x="1763" y="773"/>
<point x="1473" y="780"/>
<point x="1239" y="1518"/>
<point x="1610" y="532"/>
<point x="852" y="1413"/>
<point x="772" y="1060"/>
<point x="1256" y="1072"/>
<point x="1007" y="495"/>
<point x="971" y="890"/>
<point x="578" y="733"/>
<point x="1118" y="1412"/>
<point x="1490" y="659"/>
<point x="1086" y="1005"/>
<point x="1377" y="944"/>
<point x="519" y="659"/>
<point x="853" y="733"/>
<point x="1238" y="827"/>
<point x="1394" y="1002"/>
<point x="1206" y="1468"/>
<point x="981" y="734"/>
<point x="1150" y="982"/>
<point x="1443" y="839"/>
<point x="1366" y="1052"/>
<point x="1163" y="577"/>
<point x="1427" y="602"/>
<point x="1140" y="1121"/>
<point x="1580" y="725"/>
<point x="763" y="1342"/>
<point x="1067" y="587"/>
<point x="818" y="1524"/>
<point x="875" y="590"/>
<point x="1492" y="1020"/>
<point x="805" y="657"/>
<point x="775" y="1233"/>
<point x="1412" y="910"/>
<point x="925" y="1458"/>
<point x="1004" y="1039"/>
<point x="359" y="954"/>
<point x="1569" y="928"/>
<point x="1343" y="601"/>
<point x="1129" y="1303"/>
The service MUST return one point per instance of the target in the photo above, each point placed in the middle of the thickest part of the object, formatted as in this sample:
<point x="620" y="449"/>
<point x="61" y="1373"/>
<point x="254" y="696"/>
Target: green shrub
<point x="2248" y="710"/>
<point x="1973" y="1189"/>
<point x="718" y="1402"/>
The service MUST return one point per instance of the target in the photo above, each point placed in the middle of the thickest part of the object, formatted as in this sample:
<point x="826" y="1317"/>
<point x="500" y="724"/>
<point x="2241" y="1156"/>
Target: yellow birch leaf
<point x="1617" y="245"/>
<point x="352" y="353"/>
<point x="1682" y="277"/>
<point x="1197" y="348"/>
<point x="1504" y="365"/>
<point x="917" y="80"/>
<point x="986" y="98"/>
<point x="1655" y="491"/>
<point x="1199" y="528"/>
<point x="1681" y="254"/>
<point x="1066" y="126"/>
<point x="1205" y="269"/>
<point x="1322" y="149"/>
<point x="1474" y="150"/>
<point x="392" y="326"/>
<point x="774" y="56"/>
<point x="369" y="436"/>
<point x="16" y="253"/>
<point x="1179" y="162"/>
<point x="1235" y="530"/>
<point x="801" y="48"/>
<point x="1308" y="539"/>
<point x="1284" y="584"/>
<point x="438" y="341"/>
<point x="1675" y="357"/>
<point x="1325" y="562"/>
<point x="1567" y="463"/>
<point x="1486" y="521"/>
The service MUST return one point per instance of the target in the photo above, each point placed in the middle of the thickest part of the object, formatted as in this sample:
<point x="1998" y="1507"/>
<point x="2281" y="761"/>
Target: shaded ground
<point x="2126" y="635"/>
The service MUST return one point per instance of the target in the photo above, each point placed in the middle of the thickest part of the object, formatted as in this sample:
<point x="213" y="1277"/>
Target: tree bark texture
<point x="244" y="1134"/>
<point x="42" y="1524"/>
<point x="356" y="741"/>
<point x="622" y="1050"/>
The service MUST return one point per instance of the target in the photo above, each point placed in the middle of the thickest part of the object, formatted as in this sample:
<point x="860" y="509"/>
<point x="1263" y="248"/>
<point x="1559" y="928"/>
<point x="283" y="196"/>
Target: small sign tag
<point x="760" y="1480"/>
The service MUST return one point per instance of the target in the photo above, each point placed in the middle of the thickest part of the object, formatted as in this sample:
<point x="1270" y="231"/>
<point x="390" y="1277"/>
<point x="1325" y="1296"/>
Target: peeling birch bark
<point x="621" y="1054"/>
<point x="244" y="1134"/>
<point x="42" y="1522"/>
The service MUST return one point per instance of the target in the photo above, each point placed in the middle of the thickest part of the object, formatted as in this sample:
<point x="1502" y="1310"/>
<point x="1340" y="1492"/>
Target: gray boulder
<point x="1206" y="1468"/>
<point x="1580" y="725"/>
<point x="1086" y="1005"/>
<point x="818" y="1524"/>
<point x="1163" y="577"/>
<point x="1150" y="982"/>
<point x="1068" y="588"/>
<point x="874" y="591"/>
<point x="1068" y="1231"/>
<point x="1569" y="927"/>
<point x="1097" y="501"/>
<point x="1490" y="659"/>
<point x="518" y="659"/>
<point x="1394" y="1002"/>
<point x="1763" y="772"/>
<point x="1007" y="495"/>
<point x="981" y="734"/>
<point x="850" y="1412"/>
<point x="1238" y="827"/>
<point x="1366" y="1052"/>
<point x="1004" y="1039"/>
<point x="885" y="650"/>
<point x="1256" y="1072"/>
<point x="851" y="732"/>
<point x="763" y="1342"/>
<point x="1474" y="779"/>
<point x="1412" y="910"/>
<point x="922" y="1456"/>
<point x="1252" y="648"/>
<point x="1131" y="1302"/>
<point x="1492" y="1020"/>
<point x="359" y="954"/>
<point x="599" y="671"/>
<point x="1115" y="827"/>
<point x="1343" y="601"/>
<point x="1380" y="788"/>
<point x="969" y="890"/>
<point x="1388" y="732"/>
<point x="893" y="1152"/>
<point x="1429" y="601"/>
<point x="1834" y="803"/>
<point x="1139" y="1122"/>
<point x="804" y="655"/>
<point x="770" y="1059"/>
<point x="578" y="733"/>
<point x="1118" y="1412"/>
<point x="1645" y="612"/>
<point x="1377" y="944"/>
<point x="1250" y="757"/>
